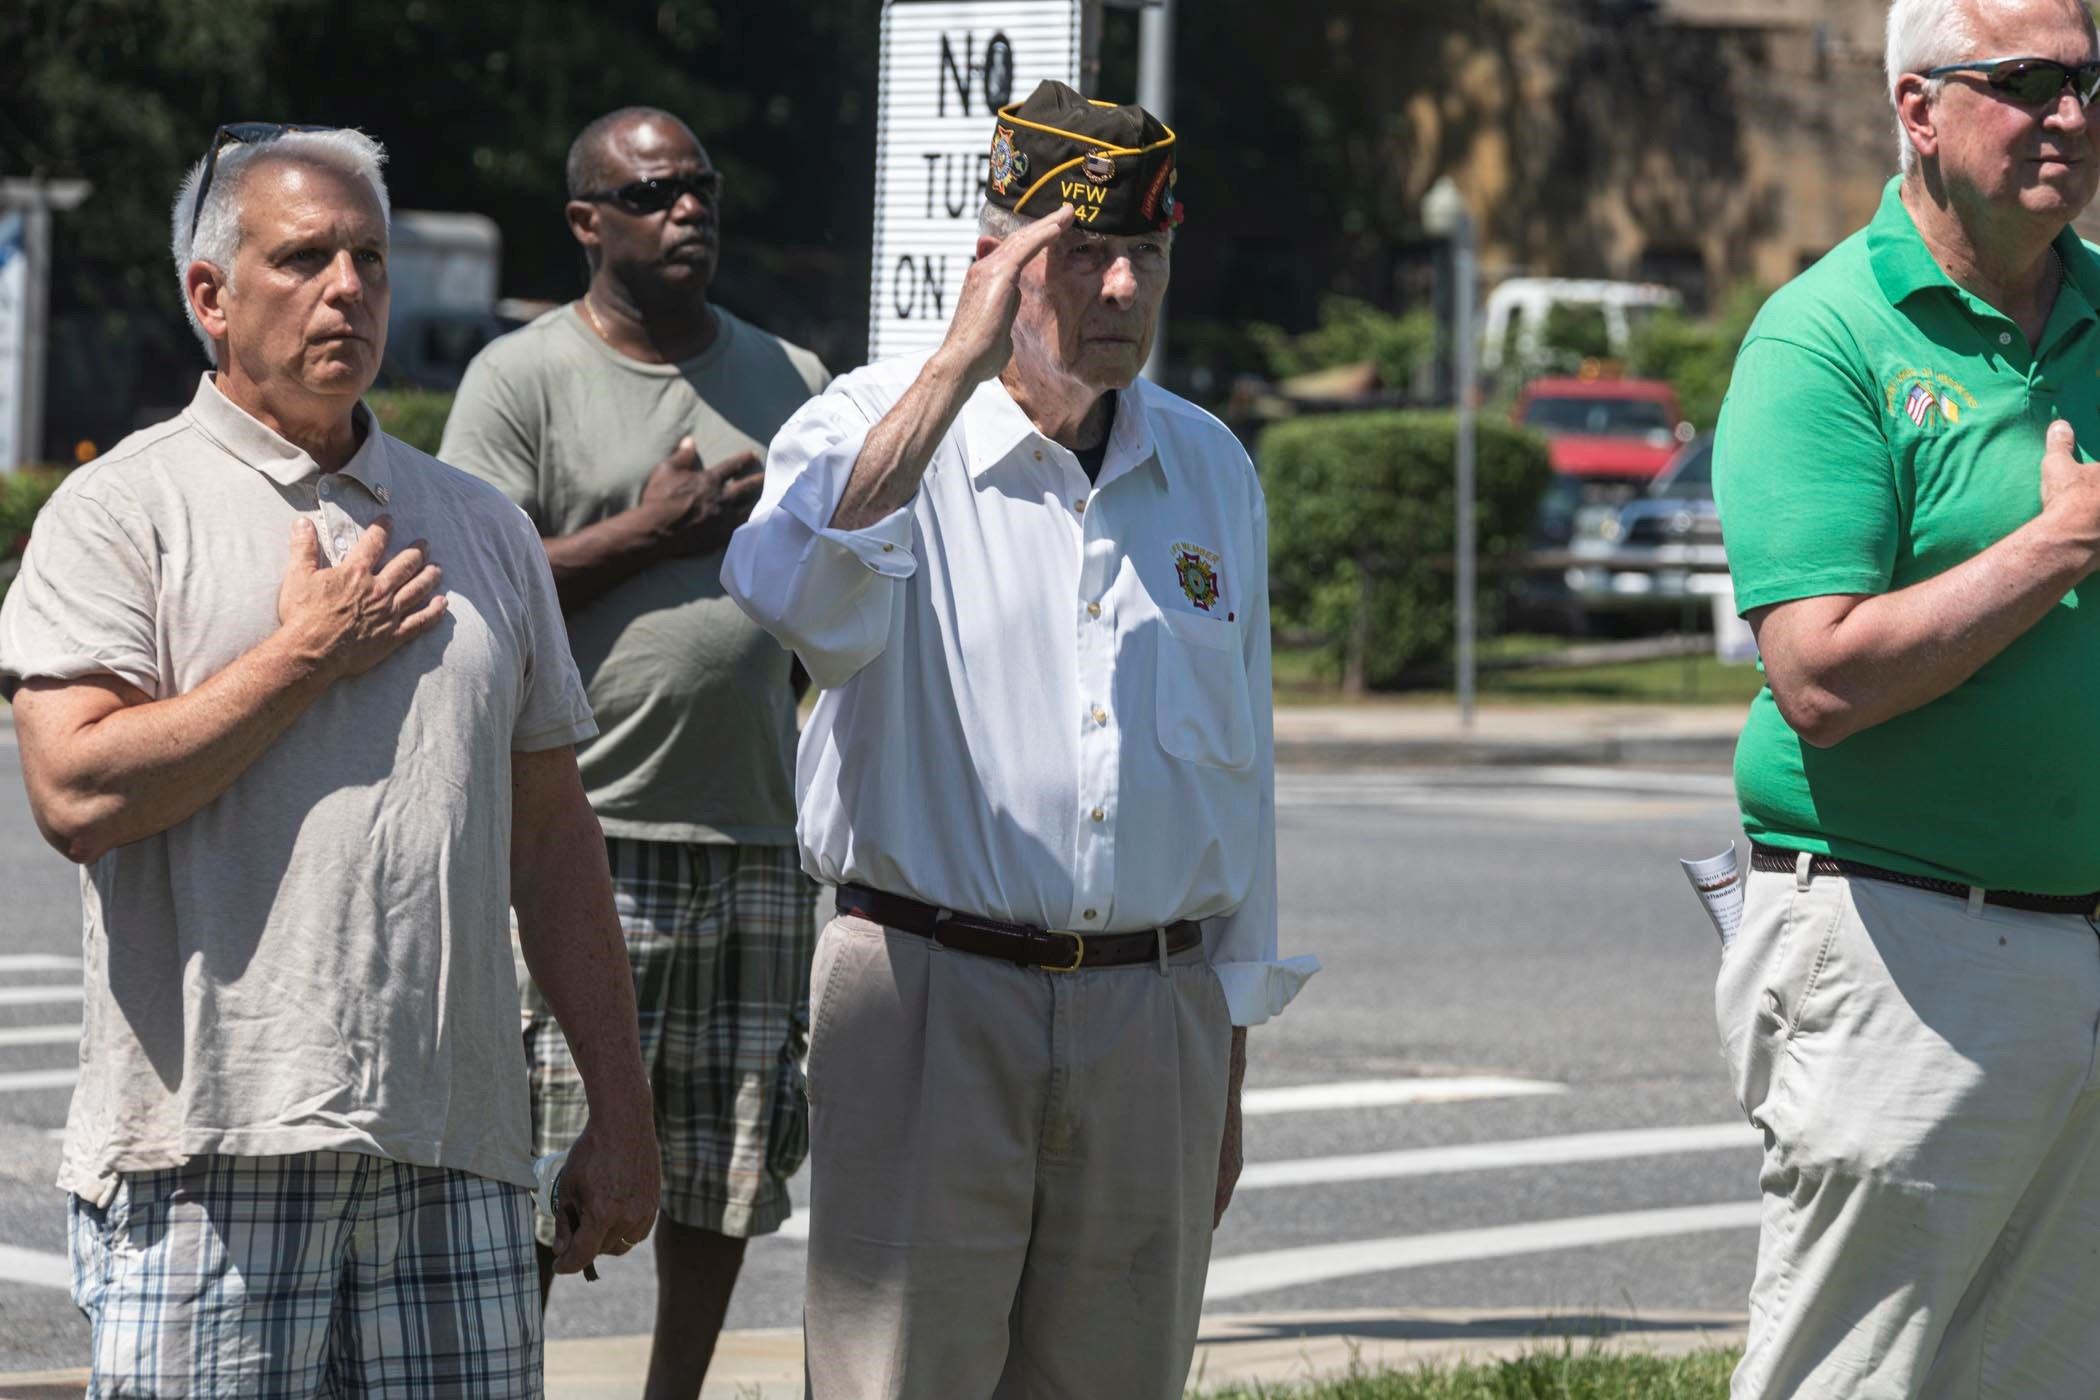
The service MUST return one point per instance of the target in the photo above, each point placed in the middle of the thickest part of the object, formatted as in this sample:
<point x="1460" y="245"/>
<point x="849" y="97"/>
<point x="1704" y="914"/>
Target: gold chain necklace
<point x="596" y="324"/>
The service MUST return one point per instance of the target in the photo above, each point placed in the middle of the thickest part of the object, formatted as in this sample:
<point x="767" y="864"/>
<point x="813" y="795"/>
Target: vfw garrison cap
<point x="1113" y="164"/>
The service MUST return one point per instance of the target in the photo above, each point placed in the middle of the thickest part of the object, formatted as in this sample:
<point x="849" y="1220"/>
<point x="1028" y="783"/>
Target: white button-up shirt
<point x="1044" y="700"/>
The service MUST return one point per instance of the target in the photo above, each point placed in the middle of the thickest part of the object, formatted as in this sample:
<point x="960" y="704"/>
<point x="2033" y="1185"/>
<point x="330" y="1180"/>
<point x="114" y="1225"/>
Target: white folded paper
<point x="1718" y="881"/>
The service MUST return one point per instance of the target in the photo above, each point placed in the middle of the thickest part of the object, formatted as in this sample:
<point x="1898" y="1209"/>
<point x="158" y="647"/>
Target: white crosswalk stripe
<point x="1270" y="1270"/>
<point x="39" y="1035"/>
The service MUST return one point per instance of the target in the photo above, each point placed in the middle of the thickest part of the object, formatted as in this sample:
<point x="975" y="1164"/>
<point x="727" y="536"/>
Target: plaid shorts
<point x="320" y="1273"/>
<point x="720" y="939"/>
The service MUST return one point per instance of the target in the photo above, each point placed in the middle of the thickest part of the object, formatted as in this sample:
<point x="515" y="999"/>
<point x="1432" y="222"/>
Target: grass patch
<point x="1566" y="1374"/>
<point x="1305" y="676"/>
<point x="1668" y="680"/>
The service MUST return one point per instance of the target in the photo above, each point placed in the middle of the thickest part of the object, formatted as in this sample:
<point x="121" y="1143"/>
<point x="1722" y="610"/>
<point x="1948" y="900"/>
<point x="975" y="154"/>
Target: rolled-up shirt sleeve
<point x="826" y="594"/>
<point x="1242" y="945"/>
<point x="86" y="600"/>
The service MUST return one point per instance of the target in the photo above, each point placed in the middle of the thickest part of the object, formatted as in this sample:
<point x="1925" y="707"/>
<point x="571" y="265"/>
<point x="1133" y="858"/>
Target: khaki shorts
<point x="720" y="939"/>
<point x="1924" y="1071"/>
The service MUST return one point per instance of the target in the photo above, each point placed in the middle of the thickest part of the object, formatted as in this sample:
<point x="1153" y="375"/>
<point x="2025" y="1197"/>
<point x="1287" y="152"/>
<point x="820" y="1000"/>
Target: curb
<point x="1252" y="1349"/>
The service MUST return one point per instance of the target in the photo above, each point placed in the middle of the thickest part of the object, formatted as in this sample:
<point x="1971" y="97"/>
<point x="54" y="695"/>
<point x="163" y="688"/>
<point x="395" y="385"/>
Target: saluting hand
<point x="980" y="338"/>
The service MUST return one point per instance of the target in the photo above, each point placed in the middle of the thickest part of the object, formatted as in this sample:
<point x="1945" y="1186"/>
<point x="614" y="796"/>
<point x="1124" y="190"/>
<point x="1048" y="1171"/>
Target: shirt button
<point x="889" y="549"/>
<point x="1039" y="454"/>
<point x="1100" y="715"/>
<point x="1088" y="915"/>
<point x="2005" y="337"/>
<point x="1079" y="506"/>
<point x="1098" y="815"/>
<point x="1093" y="610"/>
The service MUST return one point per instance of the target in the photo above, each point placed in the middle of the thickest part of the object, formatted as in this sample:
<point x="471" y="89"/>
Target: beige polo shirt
<point x="320" y="958"/>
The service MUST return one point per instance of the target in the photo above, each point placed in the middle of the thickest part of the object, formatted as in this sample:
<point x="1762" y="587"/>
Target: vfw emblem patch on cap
<point x="1931" y="401"/>
<point x="1008" y="164"/>
<point x="1196" y="569"/>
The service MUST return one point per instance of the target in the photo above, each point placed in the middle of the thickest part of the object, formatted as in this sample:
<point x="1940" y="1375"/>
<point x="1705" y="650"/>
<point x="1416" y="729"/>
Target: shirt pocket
<point x="1204" y="715"/>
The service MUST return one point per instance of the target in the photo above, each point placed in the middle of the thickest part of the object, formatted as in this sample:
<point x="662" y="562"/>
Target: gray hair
<point x="998" y="221"/>
<point x="1924" y="34"/>
<point x="347" y="151"/>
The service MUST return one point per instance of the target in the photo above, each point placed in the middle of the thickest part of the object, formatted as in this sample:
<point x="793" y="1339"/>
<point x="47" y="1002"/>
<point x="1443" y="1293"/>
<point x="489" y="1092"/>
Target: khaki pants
<point x="1924" y="1072"/>
<point x="1011" y="1172"/>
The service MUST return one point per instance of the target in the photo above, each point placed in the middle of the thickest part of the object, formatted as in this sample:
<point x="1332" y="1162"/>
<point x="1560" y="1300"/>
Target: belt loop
<point x="1802" y="860"/>
<point x="1975" y="900"/>
<point x="1161" y="934"/>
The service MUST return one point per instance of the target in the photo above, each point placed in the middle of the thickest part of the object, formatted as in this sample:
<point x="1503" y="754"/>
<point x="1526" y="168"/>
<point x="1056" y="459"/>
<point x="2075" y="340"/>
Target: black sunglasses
<point x="655" y="196"/>
<point x="2031" y="82"/>
<point x="237" y="134"/>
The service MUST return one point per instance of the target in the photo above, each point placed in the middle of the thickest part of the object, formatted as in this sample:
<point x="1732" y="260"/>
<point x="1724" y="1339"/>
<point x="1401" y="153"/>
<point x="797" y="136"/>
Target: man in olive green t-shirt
<point x="1909" y="1011"/>
<point x="629" y="425"/>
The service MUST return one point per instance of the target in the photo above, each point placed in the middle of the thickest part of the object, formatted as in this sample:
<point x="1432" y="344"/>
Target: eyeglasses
<point x="655" y="196"/>
<point x="2031" y="82"/>
<point x="237" y="134"/>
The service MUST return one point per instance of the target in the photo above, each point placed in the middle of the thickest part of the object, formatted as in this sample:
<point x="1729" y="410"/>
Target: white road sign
<point x="947" y="66"/>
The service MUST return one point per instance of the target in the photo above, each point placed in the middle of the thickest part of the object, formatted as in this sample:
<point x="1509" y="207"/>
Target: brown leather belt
<point x="1777" y="860"/>
<point x="1053" y="949"/>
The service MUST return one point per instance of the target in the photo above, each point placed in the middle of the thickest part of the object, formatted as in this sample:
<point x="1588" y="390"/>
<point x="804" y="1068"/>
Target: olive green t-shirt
<point x="695" y="715"/>
<point x="1882" y="427"/>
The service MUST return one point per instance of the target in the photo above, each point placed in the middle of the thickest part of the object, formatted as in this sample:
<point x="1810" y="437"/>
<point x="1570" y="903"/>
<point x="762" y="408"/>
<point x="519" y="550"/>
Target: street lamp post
<point x="1444" y="214"/>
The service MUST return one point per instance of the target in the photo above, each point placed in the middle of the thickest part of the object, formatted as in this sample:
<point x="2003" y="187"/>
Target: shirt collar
<point x="1903" y="264"/>
<point x="993" y="425"/>
<point x="256" y="445"/>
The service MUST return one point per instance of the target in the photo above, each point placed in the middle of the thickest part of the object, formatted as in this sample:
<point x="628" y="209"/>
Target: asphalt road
<point x="1502" y="1091"/>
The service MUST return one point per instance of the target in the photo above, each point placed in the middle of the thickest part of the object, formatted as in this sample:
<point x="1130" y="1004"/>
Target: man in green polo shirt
<point x="1909" y="1013"/>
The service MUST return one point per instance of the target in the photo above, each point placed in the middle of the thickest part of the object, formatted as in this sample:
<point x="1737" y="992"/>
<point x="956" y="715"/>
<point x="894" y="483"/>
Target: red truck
<point x="1605" y="430"/>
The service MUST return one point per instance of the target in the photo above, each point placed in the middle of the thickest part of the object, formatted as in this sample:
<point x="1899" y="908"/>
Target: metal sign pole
<point x="1463" y="276"/>
<point x="1155" y="93"/>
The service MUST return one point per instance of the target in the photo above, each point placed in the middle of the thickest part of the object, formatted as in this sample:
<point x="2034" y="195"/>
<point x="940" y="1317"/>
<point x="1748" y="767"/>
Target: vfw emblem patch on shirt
<point x="1196" y="569"/>
<point x="1929" y="400"/>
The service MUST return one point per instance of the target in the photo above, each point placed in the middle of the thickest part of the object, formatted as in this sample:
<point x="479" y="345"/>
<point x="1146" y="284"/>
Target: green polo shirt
<point x="1883" y="426"/>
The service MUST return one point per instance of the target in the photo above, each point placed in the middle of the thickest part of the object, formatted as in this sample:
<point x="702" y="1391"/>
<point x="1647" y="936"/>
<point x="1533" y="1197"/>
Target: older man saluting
<point x="1034" y="588"/>
<point x="303" y="791"/>
<point x="1910" y="1011"/>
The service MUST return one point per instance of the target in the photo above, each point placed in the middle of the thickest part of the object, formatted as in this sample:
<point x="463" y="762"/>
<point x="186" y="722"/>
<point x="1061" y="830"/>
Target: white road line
<point x="30" y="1080"/>
<point x="30" y="996"/>
<point x="1491" y="1156"/>
<point x="1384" y="1093"/>
<point x="1273" y="1269"/>
<point x="39" y="1035"/>
<point x="1472" y="1156"/>
<point x="34" y="1266"/>
<point x="38" y="962"/>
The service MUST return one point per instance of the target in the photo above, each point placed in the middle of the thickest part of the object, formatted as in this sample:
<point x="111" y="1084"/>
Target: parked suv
<point x="1661" y="548"/>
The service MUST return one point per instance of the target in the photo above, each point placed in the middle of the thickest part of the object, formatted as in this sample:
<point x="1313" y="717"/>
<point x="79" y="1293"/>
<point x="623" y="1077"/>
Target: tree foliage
<point x="1350" y="332"/>
<point x="1697" y="356"/>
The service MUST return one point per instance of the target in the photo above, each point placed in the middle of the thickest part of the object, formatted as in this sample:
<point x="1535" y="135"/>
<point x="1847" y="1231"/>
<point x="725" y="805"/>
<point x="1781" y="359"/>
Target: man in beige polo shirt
<point x="304" y="773"/>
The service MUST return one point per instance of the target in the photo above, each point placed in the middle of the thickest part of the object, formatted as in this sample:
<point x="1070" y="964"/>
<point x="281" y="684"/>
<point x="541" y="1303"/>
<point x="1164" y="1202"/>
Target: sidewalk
<point x="1270" y="1348"/>
<point x="1273" y="1349"/>
<point x="1396" y="734"/>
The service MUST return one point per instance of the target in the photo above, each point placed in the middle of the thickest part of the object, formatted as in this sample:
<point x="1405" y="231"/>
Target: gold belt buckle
<point x="1078" y="950"/>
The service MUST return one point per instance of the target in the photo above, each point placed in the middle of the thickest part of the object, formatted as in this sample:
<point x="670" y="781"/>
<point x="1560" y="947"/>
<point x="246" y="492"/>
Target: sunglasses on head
<point x="655" y="196"/>
<point x="2031" y="82"/>
<point x="237" y="134"/>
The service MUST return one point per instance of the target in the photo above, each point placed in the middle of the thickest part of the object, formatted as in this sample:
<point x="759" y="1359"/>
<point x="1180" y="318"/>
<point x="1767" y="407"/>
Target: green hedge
<point x="22" y="495"/>
<point x="1361" y="531"/>
<point x="416" y="416"/>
